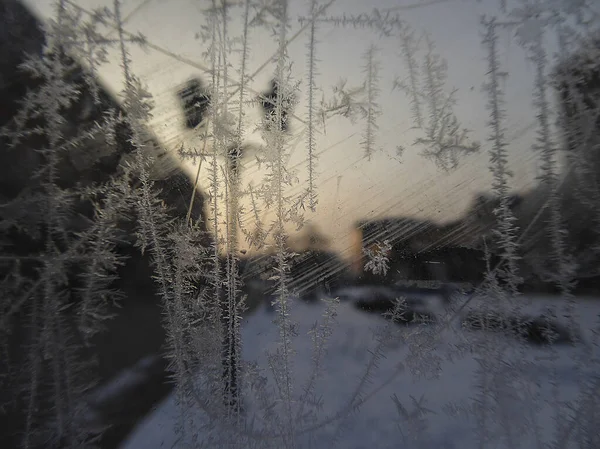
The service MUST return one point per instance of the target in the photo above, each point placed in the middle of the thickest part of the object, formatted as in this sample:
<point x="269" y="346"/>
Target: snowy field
<point x="428" y="391"/>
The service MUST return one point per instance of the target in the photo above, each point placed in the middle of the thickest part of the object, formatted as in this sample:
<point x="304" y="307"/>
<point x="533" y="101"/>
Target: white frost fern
<point x="310" y="138"/>
<point x="409" y="50"/>
<point x="506" y="231"/>
<point x="372" y="112"/>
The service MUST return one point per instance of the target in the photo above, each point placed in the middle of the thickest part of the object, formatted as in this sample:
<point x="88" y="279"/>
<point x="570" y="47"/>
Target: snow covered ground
<point x="426" y="392"/>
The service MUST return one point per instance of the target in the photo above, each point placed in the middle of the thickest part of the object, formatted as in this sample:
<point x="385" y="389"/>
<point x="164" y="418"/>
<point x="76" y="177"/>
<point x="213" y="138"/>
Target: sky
<point x="350" y="187"/>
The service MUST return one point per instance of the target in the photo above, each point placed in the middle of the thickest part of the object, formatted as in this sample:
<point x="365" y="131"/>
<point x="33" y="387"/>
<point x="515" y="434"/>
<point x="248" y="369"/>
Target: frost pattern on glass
<point x="495" y="365"/>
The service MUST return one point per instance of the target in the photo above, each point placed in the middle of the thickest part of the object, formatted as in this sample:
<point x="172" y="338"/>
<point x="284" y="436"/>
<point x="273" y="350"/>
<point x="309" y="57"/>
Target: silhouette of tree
<point x="195" y="101"/>
<point x="268" y="102"/>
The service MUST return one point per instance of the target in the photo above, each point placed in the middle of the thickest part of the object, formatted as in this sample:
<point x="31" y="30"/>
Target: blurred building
<point x="136" y="332"/>
<point x="576" y="80"/>
<point x="421" y="250"/>
<point x="424" y="250"/>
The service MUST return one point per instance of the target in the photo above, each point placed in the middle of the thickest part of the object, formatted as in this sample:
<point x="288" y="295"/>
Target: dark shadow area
<point x="538" y="330"/>
<point x="407" y="314"/>
<point x="136" y="333"/>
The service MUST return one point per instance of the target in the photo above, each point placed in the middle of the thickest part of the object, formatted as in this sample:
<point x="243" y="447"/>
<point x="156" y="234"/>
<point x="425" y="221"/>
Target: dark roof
<point x="413" y="235"/>
<point x="94" y="161"/>
<point x="391" y="228"/>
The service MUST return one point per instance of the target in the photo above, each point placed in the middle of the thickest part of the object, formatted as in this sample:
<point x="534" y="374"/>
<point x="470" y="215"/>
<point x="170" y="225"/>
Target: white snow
<point x="444" y="381"/>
